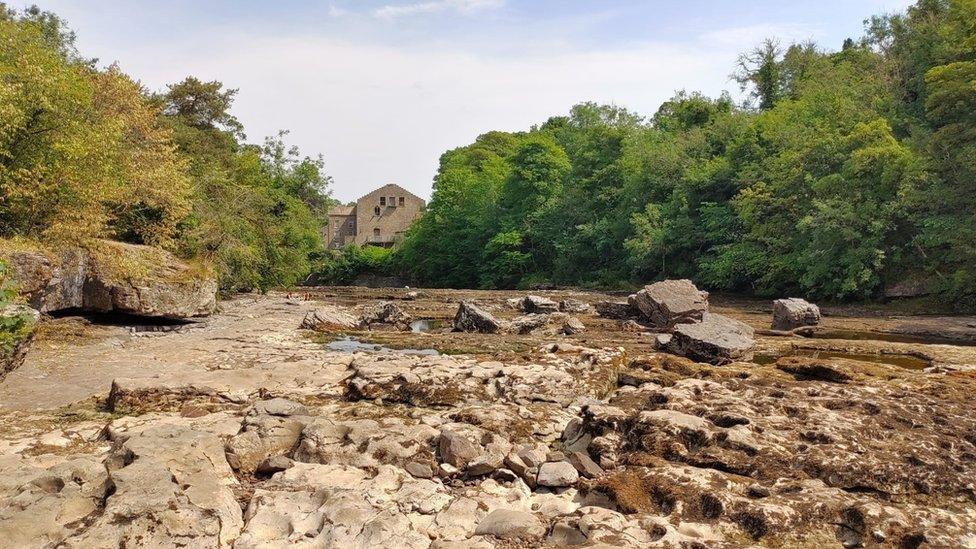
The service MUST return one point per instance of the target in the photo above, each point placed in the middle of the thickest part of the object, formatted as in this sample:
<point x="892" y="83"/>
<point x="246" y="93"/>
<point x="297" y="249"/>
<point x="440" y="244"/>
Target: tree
<point x="203" y="105"/>
<point x="760" y="72"/>
<point x="81" y="152"/>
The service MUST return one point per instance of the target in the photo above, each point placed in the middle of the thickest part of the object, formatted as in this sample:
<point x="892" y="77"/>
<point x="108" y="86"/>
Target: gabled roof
<point x="343" y="210"/>
<point x="398" y="190"/>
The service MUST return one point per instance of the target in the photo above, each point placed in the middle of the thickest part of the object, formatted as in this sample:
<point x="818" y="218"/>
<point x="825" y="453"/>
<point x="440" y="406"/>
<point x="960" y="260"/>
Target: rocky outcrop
<point x="546" y="324"/>
<point x="472" y="318"/>
<point x="534" y="304"/>
<point x="793" y="312"/>
<point x="511" y="524"/>
<point x="270" y="429"/>
<point x="669" y="303"/>
<point x="574" y="306"/>
<point x="113" y="277"/>
<point x="17" y="325"/>
<point x="716" y="339"/>
<point x="285" y="443"/>
<point x="384" y="315"/>
<point x="329" y="319"/>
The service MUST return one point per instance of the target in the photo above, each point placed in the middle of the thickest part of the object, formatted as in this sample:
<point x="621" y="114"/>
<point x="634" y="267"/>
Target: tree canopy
<point x="842" y="174"/>
<point x="88" y="153"/>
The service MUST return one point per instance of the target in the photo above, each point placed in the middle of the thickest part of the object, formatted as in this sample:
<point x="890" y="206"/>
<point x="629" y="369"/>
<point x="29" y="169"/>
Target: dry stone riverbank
<point x="376" y="425"/>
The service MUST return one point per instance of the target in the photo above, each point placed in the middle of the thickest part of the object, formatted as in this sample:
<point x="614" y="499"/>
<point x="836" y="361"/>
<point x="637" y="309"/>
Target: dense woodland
<point x="846" y="172"/>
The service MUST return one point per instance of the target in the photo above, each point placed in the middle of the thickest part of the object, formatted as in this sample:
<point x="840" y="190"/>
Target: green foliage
<point x="252" y="211"/>
<point x="857" y="170"/>
<point x="12" y="327"/>
<point x="81" y="152"/>
<point x="87" y="153"/>
<point x="343" y="267"/>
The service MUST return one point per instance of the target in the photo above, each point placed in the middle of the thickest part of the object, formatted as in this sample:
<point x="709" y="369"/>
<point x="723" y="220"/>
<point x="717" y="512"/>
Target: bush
<point x="15" y="327"/>
<point x="337" y="268"/>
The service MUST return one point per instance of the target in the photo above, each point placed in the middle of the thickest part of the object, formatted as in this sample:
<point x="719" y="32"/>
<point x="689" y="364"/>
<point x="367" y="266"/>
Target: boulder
<point x="557" y="474"/>
<point x="574" y="306"/>
<point x="113" y="277"/>
<point x="538" y="304"/>
<point x="547" y="324"/>
<point x="472" y="318"/>
<point x="385" y="313"/>
<point x="793" y="312"/>
<point x="329" y="319"/>
<point x="585" y="465"/>
<point x="457" y="450"/>
<point x="263" y="437"/>
<point x="511" y="524"/>
<point x="716" y="339"/>
<point x="17" y="324"/>
<point x="571" y="325"/>
<point x="670" y="302"/>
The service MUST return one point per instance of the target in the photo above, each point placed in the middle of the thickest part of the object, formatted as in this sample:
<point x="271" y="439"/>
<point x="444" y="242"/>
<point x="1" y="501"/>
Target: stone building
<point x="380" y="218"/>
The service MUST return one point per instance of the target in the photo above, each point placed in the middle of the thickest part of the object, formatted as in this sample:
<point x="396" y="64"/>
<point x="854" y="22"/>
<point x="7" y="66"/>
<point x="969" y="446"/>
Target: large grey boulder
<point x="716" y="339"/>
<point x="455" y="449"/>
<point x="511" y="524"/>
<point x="17" y="324"/>
<point x="113" y="277"/>
<point x="670" y="302"/>
<point x="385" y="313"/>
<point x="557" y="474"/>
<point x="793" y="312"/>
<point x="268" y="431"/>
<point x="328" y="319"/>
<point x="472" y="318"/>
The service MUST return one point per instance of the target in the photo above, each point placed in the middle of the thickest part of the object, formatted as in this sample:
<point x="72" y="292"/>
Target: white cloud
<point x="746" y="37"/>
<point x="337" y="11"/>
<point x="383" y="114"/>
<point x="392" y="11"/>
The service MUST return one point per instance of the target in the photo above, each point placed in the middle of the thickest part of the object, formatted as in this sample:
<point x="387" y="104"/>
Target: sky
<point x="381" y="88"/>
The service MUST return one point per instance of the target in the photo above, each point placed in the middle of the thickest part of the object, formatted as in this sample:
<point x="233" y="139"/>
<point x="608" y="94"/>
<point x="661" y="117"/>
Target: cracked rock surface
<point x="248" y="432"/>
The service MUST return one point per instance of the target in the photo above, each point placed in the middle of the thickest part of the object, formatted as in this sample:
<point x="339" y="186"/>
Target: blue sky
<point x="382" y="88"/>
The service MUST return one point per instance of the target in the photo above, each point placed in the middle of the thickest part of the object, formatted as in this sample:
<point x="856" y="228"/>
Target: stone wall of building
<point x="379" y="218"/>
<point x="341" y="227"/>
<point x="383" y="215"/>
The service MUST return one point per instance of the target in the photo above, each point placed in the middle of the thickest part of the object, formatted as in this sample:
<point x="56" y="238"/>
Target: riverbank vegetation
<point x="846" y="174"/>
<point x="88" y="153"/>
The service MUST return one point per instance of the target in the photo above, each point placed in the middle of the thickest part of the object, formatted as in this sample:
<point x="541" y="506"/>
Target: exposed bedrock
<point x="113" y="277"/>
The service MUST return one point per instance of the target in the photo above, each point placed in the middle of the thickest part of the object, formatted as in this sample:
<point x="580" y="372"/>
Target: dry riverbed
<point x="245" y="431"/>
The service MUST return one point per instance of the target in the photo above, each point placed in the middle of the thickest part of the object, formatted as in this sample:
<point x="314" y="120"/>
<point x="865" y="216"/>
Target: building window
<point x="376" y="233"/>
<point x="401" y="201"/>
<point x="382" y="201"/>
<point x="392" y="201"/>
<point x="376" y="210"/>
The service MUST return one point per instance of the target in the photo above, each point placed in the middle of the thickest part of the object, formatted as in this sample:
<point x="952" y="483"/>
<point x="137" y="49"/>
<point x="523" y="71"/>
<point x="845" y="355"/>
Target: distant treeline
<point x="87" y="153"/>
<point x="845" y="173"/>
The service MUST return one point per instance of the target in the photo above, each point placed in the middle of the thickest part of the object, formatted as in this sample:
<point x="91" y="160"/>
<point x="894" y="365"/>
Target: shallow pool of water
<point x="856" y="335"/>
<point x="351" y="345"/>
<point x="907" y="362"/>
<point x="425" y="325"/>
